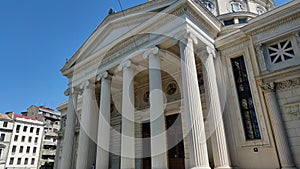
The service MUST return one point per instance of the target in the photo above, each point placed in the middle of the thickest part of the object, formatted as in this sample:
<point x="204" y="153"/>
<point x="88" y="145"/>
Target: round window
<point x="146" y="97"/>
<point x="171" y="88"/>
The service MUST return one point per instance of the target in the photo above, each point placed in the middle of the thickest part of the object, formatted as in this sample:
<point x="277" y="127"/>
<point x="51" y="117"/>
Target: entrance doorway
<point x="146" y="146"/>
<point x="175" y="142"/>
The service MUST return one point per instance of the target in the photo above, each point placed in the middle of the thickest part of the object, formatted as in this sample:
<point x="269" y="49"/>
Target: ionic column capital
<point x="190" y="37"/>
<point x="126" y="65"/>
<point x="268" y="87"/>
<point x="103" y="75"/>
<point x="153" y="51"/>
<point x="70" y="91"/>
<point x="87" y="85"/>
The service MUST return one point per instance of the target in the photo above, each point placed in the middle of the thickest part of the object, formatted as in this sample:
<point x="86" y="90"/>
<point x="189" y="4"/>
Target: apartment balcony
<point x="48" y="152"/>
<point x="50" y="143"/>
<point x="51" y="133"/>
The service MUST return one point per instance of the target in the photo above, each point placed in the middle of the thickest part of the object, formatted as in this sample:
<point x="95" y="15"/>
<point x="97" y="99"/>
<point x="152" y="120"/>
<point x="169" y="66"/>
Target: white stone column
<point x="159" y="150"/>
<point x="67" y="152"/>
<point x="84" y="155"/>
<point x="102" y="161"/>
<point x="192" y="106"/>
<point x="219" y="144"/>
<point x="128" y="130"/>
<point x="281" y="139"/>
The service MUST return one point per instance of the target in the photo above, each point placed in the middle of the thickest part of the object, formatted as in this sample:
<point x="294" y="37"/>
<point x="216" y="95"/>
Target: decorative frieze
<point x="291" y="20"/>
<point x="293" y="110"/>
<point x="288" y="84"/>
<point x="235" y="49"/>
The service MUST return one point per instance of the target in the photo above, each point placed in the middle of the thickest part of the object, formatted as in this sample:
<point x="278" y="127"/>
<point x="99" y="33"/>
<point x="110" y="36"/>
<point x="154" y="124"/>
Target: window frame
<point x="283" y="64"/>
<point x="235" y="108"/>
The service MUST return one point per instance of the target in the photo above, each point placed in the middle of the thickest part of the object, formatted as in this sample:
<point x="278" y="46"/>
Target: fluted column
<point x="157" y="117"/>
<point x="84" y="153"/>
<point x="104" y="123"/>
<point x="281" y="139"/>
<point x="127" y="139"/>
<point x="219" y="144"/>
<point x="67" y="152"/>
<point x="192" y="105"/>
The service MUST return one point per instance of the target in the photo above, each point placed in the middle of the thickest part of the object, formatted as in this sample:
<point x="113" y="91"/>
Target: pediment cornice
<point x="121" y="46"/>
<point x="286" y="14"/>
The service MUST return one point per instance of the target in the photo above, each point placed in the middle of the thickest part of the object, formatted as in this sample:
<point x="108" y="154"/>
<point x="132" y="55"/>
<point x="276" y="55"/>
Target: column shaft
<point x="193" y="108"/>
<point x="127" y="139"/>
<point x="67" y="152"/>
<point x="104" y="125"/>
<point x="84" y="153"/>
<point x="157" y="117"/>
<point x="281" y="139"/>
<point x="219" y="145"/>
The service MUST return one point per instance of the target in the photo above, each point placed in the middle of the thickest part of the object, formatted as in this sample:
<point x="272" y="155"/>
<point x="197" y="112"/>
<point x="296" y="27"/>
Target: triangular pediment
<point x="158" y="17"/>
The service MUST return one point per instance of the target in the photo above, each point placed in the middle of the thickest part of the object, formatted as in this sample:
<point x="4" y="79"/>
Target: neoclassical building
<point x="181" y="84"/>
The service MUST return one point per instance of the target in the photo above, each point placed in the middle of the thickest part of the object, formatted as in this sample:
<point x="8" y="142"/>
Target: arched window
<point x="260" y="10"/>
<point x="236" y="6"/>
<point x="209" y="5"/>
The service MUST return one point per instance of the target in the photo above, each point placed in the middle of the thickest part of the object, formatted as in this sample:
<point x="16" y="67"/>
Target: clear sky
<point x="36" y="38"/>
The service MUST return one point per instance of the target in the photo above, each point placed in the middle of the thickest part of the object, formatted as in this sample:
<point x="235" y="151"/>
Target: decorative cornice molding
<point x="268" y="87"/>
<point x="237" y="48"/>
<point x="291" y="19"/>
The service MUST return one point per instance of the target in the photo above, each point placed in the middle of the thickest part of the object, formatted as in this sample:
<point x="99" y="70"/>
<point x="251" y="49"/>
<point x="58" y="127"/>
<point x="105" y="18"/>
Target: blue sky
<point x="36" y="38"/>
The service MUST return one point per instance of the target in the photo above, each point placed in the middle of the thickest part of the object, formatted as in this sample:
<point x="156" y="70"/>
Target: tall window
<point x="14" y="149"/>
<point x="34" y="150"/>
<point x="5" y="124"/>
<point x="2" y="137"/>
<point x="37" y="131"/>
<point x="32" y="161"/>
<point x="21" y="149"/>
<point x="11" y="161"/>
<point x="25" y="128"/>
<point x="250" y="122"/>
<point x="16" y="138"/>
<point x="18" y="128"/>
<point x="19" y="161"/>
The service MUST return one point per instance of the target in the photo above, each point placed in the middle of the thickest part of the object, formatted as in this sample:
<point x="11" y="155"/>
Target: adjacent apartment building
<point x="51" y="120"/>
<point x="26" y="138"/>
<point x="6" y="129"/>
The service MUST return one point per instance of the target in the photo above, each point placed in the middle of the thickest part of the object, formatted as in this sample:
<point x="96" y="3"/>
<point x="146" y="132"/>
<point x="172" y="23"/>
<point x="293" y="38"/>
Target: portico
<point x="153" y="62"/>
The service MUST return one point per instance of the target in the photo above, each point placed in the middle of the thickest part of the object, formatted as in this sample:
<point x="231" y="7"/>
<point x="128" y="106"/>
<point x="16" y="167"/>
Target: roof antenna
<point x="111" y="11"/>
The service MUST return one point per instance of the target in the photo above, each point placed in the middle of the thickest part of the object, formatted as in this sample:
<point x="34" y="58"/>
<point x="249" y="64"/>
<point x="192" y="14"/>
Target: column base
<point x="201" y="167"/>
<point x="225" y="167"/>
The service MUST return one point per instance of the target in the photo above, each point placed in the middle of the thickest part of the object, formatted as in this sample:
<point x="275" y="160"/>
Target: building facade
<point x="6" y="128"/>
<point x="51" y="120"/>
<point x="183" y="84"/>
<point x="24" y="149"/>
